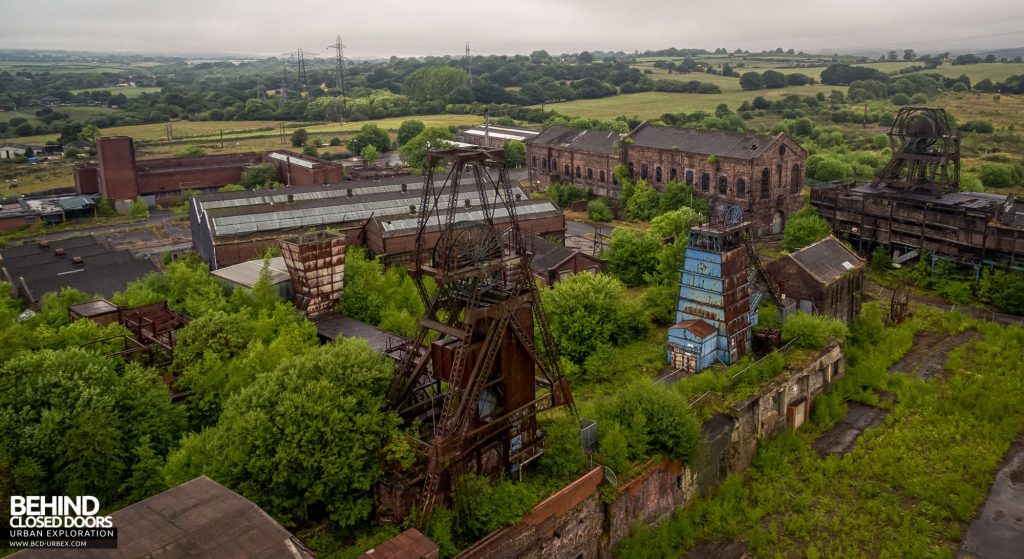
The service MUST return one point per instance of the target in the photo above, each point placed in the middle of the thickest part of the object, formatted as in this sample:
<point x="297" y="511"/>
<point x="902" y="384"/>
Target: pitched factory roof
<point x="391" y="226"/>
<point x="200" y="519"/>
<point x="276" y="213"/>
<point x="546" y="255"/>
<point x="827" y="260"/>
<point x="706" y="142"/>
<point x="594" y="141"/>
<point x="38" y="248"/>
<point x="983" y="201"/>
<point x="699" y="327"/>
<point x="501" y="133"/>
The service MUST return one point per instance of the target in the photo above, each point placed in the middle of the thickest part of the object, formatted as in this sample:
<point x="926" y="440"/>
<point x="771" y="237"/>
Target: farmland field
<point x="71" y="68"/>
<point x="129" y="92"/>
<point x="651" y="105"/>
<point x="74" y="112"/>
<point x="996" y="71"/>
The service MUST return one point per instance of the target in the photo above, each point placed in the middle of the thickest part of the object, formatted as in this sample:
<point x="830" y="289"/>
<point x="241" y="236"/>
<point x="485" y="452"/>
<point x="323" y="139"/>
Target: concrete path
<point x="843" y="437"/>
<point x="997" y="531"/>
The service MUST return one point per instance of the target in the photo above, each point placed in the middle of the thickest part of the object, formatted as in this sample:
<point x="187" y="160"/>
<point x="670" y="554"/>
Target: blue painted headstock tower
<point x="718" y="295"/>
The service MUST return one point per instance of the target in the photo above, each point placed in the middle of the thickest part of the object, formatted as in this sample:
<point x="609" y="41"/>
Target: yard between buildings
<point x="909" y="487"/>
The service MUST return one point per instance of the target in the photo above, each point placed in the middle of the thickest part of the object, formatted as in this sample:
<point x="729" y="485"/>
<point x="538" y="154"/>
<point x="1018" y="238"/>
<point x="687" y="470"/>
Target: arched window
<point x="782" y="150"/>
<point x="554" y="165"/>
<point x="533" y="162"/>
<point x="705" y="182"/>
<point x="794" y="179"/>
<point x="741" y="187"/>
<point x="673" y="174"/>
<point x="643" y="171"/>
<point x="601" y="176"/>
<point x="689" y="178"/>
<point x="778" y="173"/>
<point x="766" y="182"/>
<point x="723" y="184"/>
<point x="579" y="173"/>
<point x="568" y="170"/>
<point x="657" y="174"/>
<point x="590" y="174"/>
<point x="630" y="169"/>
<point x="544" y="163"/>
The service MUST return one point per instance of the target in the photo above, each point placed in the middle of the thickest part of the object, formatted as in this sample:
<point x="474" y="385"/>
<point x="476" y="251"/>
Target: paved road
<point x="997" y="531"/>
<point x="581" y="236"/>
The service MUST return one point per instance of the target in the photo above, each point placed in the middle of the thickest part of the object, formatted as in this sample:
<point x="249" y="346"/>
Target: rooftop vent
<point x="348" y="192"/>
<point x="519" y="196"/>
<point x="753" y="147"/>
<point x="405" y="187"/>
<point x="291" y="198"/>
<point x="467" y="202"/>
<point x="59" y="252"/>
<point x="77" y="260"/>
<point x="412" y="209"/>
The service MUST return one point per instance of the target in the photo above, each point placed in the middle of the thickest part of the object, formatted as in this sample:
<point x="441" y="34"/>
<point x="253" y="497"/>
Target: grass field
<point x="996" y="72"/>
<point x="75" y="113"/>
<point x="130" y="92"/>
<point x="72" y="68"/>
<point x="651" y="105"/>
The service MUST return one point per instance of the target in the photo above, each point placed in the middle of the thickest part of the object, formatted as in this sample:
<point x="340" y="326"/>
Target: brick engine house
<point x="763" y="175"/>
<point x="118" y="176"/>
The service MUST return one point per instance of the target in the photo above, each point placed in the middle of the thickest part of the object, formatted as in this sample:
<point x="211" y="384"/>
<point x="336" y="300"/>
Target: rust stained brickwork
<point x="574" y="523"/>
<point x="764" y="175"/>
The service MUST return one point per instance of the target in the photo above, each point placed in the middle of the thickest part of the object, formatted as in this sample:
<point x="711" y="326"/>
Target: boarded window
<point x="705" y="182"/>
<point x="673" y="174"/>
<point x="766" y="182"/>
<point x="533" y="162"/>
<point x="657" y="174"/>
<point x="741" y="187"/>
<point x="689" y="178"/>
<point x="601" y="176"/>
<point x="579" y="172"/>
<point x="590" y="174"/>
<point x="723" y="185"/>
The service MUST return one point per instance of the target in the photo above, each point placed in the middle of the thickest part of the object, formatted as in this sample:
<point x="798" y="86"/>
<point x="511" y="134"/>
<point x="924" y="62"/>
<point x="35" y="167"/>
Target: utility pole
<point x="339" y="72"/>
<point x="469" y="67"/>
<point x="284" y="77"/>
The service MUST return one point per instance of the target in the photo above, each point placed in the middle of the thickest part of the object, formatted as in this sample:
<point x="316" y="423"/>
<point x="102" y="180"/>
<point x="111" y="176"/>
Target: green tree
<point x="370" y="135"/>
<point x="414" y="152"/>
<point x="409" y="129"/>
<point x="139" y="210"/>
<point x="654" y="419"/>
<point x="70" y="418"/>
<point x="369" y="154"/>
<point x="751" y="81"/>
<point x="674" y="223"/>
<point x="805" y="227"/>
<point x="588" y="311"/>
<point x="305" y="439"/>
<point x="89" y="133"/>
<point x="515" y="154"/>
<point x="259" y="175"/>
<point x="598" y="210"/>
<point x="434" y="83"/>
<point x="299" y="138"/>
<point x="632" y="255"/>
<point x="310" y="151"/>
<point x="104" y="208"/>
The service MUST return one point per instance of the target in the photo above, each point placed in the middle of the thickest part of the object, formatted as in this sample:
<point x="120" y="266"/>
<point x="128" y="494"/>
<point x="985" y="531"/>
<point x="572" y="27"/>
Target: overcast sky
<point x="374" y="28"/>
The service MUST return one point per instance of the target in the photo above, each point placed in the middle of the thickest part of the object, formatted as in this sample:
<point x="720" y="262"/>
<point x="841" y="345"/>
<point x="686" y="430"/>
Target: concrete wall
<point x="575" y="523"/>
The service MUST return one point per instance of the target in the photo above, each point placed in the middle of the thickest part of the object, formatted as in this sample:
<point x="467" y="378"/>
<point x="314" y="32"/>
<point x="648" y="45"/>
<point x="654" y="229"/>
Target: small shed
<point x="246" y="274"/>
<point x="100" y="311"/>
<point x="552" y="263"/>
<point x="825" y="278"/>
<point x="691" y="345"/>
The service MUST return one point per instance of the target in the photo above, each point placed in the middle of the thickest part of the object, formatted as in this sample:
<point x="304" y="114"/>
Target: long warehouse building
<point x="233" y="227"/>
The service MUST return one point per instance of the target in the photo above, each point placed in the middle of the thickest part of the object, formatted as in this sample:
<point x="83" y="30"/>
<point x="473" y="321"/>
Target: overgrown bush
<point x="811" y="331"/>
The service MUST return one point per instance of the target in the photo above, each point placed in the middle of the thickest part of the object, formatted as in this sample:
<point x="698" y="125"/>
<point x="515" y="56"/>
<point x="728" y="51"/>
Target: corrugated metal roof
<point x="248" y="273"/>
<point x="333" y="210"/>
<point x="982" y="201"/>
<point x="827" y="260"/>
<point x="392" y="227"/>
<point x="291" y="158"/>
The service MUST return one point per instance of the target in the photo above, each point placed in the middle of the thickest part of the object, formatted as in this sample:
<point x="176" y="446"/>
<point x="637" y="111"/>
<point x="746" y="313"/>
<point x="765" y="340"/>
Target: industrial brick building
<point x="915" y="204"/>
<point x="824" y="278"/>
<point x="763" y="175"/>
<point x="233" y="227"/>
<point x="118" y="176"/>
